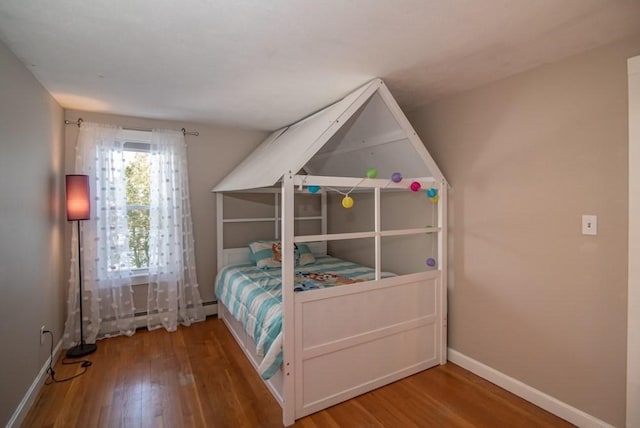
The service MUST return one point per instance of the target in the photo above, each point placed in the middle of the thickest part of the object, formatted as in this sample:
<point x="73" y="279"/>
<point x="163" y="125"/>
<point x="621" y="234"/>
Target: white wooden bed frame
<point x="341" y="342"/>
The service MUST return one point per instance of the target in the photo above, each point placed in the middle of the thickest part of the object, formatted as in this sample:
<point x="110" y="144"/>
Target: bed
<point x="253" y="296"/>
<point x="371" y="329"/>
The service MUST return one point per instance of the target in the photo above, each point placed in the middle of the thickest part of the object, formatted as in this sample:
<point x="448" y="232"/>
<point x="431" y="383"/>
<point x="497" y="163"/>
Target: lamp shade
<point x="77" y="197"/>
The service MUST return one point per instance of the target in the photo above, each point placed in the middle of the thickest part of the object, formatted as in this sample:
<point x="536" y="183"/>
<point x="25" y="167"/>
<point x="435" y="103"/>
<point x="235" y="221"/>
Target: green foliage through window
<point x="138" y="187"/>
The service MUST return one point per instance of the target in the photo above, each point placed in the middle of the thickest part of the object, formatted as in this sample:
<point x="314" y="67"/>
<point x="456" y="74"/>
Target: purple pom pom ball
<point x="396" y="177"/>
<point x="431" y="262"/>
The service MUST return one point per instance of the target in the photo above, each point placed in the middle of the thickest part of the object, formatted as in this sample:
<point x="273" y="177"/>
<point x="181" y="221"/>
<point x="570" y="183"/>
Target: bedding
<point x="253" y="296"/>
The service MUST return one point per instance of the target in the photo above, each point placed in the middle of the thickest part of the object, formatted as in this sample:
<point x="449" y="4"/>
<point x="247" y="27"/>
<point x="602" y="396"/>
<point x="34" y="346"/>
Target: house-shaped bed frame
<point x="334" y="345"/>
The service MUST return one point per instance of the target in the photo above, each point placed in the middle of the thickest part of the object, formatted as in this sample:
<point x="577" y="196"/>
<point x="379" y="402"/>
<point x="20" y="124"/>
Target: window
<point x="136" y="157"/>
<point x="126" y="165"/>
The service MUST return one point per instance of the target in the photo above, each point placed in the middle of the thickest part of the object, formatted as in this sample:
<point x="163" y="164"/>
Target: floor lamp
<point x="78" y="208"/>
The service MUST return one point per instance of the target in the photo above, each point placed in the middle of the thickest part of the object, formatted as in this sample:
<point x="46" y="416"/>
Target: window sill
<point x="139" y="278"/>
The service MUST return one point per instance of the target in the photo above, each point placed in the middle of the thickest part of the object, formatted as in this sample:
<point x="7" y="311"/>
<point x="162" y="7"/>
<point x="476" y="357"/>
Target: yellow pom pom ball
<point x="347" y="202"/>
<point x="435" y="199"/>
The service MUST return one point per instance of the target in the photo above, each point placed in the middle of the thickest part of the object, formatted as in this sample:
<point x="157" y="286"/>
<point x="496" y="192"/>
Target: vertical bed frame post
<point x="276" y="197"/>
<point x="323" y="212"/>
<point x="443" y="264"/>
<point x="377" y="229"/>
<point x="288" y="310"/>
<point x="219" y="235"/>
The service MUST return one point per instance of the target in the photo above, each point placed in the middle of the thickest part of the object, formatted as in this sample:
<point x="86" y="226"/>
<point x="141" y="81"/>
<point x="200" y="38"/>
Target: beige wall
<point x="211" y="156"/>
<point x="32" y="287"/>
<point x="530" y="295"/>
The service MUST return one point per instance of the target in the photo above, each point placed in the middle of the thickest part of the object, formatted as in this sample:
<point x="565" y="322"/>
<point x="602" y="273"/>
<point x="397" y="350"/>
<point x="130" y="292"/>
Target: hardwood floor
<point x="198" y="377"/>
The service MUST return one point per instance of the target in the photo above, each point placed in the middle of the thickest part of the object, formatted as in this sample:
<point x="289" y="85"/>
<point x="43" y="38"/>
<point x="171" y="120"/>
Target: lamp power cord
<point x="85" y="364"/>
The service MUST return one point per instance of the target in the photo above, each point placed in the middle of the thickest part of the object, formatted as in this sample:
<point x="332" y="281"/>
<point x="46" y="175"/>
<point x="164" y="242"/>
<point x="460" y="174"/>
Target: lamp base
<point x="81" y="350"/>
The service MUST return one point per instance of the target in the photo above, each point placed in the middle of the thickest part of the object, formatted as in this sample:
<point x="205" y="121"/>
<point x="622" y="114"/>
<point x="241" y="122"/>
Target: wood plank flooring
<point x="198" y="377"/>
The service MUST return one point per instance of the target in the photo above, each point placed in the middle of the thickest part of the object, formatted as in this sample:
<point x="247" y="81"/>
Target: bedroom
<point x="524" y="155"/>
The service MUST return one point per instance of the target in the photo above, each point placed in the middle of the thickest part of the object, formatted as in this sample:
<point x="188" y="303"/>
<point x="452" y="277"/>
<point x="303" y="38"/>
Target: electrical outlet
<point x="42" y="329"/>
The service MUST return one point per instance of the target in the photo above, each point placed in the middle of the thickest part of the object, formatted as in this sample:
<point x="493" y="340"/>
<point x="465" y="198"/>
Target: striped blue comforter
<point x="253" y="296"/>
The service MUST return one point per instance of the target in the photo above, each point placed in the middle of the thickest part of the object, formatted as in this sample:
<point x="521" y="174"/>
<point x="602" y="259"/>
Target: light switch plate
<point x="589" y="224"/>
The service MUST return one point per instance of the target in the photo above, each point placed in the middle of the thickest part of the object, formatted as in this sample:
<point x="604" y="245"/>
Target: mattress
<point x="253" y="296"/>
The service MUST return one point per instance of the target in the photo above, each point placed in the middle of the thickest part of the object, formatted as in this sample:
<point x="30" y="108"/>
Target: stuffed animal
<point x="276" y="247"/>
<point x="277" y="251"/>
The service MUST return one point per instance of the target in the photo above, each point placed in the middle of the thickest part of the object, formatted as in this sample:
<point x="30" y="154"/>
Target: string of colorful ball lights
<point x="396" y="177"/>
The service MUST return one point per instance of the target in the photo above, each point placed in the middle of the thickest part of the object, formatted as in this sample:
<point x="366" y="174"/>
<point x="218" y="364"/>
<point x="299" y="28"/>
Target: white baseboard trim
<point x="25" y="405"/>
<point x="539" y="398"/>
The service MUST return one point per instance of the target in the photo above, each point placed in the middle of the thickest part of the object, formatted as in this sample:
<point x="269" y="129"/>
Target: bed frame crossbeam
<point x="361" y="235"/>
<point x="350" y="182"/>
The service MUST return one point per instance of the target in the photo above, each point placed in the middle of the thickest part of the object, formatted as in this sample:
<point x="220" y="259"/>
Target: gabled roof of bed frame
<point x="365" y="129"/>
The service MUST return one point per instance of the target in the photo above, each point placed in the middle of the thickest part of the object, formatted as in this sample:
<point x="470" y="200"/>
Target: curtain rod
<point x="80" y="120"/>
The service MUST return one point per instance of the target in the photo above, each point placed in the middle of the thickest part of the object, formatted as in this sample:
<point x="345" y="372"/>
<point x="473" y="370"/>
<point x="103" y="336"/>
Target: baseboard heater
<point x="210" y="309"/>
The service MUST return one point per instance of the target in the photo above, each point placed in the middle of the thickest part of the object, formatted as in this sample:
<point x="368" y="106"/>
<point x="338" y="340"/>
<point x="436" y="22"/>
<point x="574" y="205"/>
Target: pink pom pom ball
<point x="415" y="186"/>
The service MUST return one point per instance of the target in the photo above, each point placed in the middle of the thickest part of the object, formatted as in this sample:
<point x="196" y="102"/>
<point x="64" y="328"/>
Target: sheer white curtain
<point x="173" y="295"/>
<point x="107" y="293"/>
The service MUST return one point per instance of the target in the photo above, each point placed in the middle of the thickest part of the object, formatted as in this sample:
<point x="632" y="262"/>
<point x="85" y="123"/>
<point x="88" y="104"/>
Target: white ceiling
<point x="264" y="64"/>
